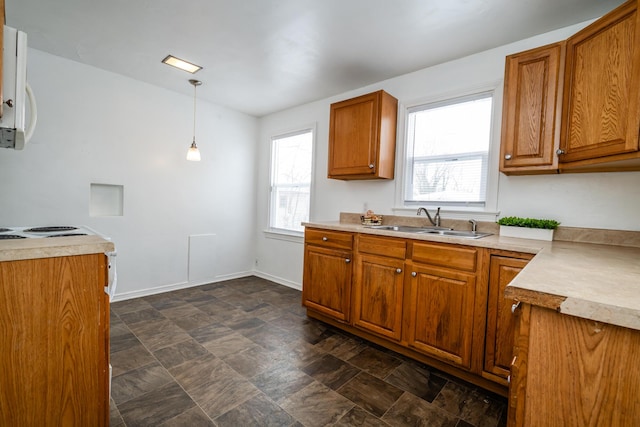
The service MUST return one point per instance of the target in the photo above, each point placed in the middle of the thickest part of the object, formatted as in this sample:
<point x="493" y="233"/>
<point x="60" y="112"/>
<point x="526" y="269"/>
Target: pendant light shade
<point x="194" y="154"/>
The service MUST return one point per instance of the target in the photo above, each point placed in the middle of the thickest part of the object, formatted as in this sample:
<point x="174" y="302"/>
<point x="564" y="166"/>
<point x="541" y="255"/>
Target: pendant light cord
<point x="194" y="113"/>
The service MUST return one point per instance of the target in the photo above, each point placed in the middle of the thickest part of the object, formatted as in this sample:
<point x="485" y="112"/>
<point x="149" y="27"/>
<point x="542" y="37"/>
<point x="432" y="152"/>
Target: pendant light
<point x="194" y="154"/>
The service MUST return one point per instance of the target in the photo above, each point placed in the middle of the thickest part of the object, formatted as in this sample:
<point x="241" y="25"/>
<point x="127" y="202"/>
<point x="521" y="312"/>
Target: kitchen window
<point x="291" y="164"/>
<point x="448" y="151"/>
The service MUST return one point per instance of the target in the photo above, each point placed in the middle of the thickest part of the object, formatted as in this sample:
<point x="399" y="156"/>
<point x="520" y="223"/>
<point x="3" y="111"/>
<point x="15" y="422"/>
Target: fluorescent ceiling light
<point x="182" y="64"/>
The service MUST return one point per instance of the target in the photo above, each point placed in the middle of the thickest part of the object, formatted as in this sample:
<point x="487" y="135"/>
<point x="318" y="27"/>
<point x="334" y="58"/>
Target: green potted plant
<point x="527" y="228"/>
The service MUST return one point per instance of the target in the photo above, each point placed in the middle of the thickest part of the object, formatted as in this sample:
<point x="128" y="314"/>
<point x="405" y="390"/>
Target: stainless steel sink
<point x="441" y="231"/>
<point x="406" y="228"/>
<point x="456" y="233"/>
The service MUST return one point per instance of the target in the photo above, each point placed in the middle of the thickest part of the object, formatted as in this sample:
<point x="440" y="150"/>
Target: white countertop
<point x="592" y="281"/>
<point x="20" y="249"/>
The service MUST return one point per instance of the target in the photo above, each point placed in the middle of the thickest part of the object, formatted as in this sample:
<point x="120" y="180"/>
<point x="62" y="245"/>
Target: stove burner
<point x="49" y="229"/>
<point x="10" y="236"/>
<point x="4" y="230"/>
<point x="68" y="235"/>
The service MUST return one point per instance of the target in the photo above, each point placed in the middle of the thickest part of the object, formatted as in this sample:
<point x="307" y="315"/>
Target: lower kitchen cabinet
<point x="570" y="371"/>
<point x="326" y="283"/>
<point x="54" y="319"/>
<point x="426" y="300"/>
<point x="441" y="313"/>
<point x="379" y="286"/>
<point x="498" y="350"/>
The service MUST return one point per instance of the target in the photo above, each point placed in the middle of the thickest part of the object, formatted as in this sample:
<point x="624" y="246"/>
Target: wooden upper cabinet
<point x="601" y="110"/>
<point x="362" y="137"/>
<point x="574" y="106"/>
<point x="532" y="110"/>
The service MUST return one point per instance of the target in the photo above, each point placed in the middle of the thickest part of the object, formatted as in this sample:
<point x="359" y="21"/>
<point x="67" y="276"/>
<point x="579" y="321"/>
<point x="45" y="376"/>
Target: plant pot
<point x="527" y="233"/>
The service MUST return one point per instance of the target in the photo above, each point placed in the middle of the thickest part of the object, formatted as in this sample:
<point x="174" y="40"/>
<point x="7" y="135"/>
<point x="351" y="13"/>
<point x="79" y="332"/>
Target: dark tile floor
<point x="243" y="353"/>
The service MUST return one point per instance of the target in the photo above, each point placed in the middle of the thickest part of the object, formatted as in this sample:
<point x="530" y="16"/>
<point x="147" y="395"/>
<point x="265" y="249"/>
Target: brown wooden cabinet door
<point x="326" y="285"/>
<point x="54" y="358"/>
<point x="601" y="115"/>
<point x="571" y="371"/>
<point x="441" y="312"/>
<point x="377" y="299"/>
<point x="500" y="321"/>
<point x="531" y="110"/>
<point x="362" y="134"/>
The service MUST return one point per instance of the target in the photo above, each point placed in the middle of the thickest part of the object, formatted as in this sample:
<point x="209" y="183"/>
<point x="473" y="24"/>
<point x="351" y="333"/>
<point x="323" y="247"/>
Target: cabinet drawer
<point x="459" y="258"/>
<point x="329" y="239"/>
<point x="382" y="246"/>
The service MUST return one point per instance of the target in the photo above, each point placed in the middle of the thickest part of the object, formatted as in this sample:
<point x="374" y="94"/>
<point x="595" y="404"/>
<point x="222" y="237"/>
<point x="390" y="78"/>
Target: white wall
<point x="599" y="200"/>
<point x="98" y="127"/>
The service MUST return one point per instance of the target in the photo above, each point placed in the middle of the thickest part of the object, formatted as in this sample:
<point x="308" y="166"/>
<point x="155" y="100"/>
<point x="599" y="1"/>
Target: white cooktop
<point x="45" y="231"/>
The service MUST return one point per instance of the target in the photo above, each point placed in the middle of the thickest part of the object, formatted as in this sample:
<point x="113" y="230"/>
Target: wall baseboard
<point x="278" y="280"/>
<point x="183" y="285"/>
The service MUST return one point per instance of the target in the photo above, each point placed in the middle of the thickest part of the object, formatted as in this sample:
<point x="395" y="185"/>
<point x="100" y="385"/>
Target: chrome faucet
<point x="474" y="225"/>
<point x="435" y="220"/>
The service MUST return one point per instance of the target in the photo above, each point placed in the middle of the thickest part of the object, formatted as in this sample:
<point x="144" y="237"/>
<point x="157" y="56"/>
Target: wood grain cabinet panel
<point x="378" y="295"/>
<point x="329" y="239"/>
<point x="54" y="323"/>
<point x="441" y="313"/>
<point x="444" y="255"/>
<point x="571" y="371"/>
<point x="500" y="331"/>
<point x="362" y="137"/>
<point x="601" y="115"/>
<point x="327" y="276"/>
<point x="532" y="110"/>
<point x="574" y="106"/>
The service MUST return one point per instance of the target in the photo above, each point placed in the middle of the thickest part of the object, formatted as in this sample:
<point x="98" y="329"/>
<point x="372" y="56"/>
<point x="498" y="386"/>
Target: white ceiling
<point x="262" y="56"/>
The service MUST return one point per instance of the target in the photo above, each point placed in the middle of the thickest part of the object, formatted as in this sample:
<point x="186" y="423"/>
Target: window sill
<point x="286" y="235"/>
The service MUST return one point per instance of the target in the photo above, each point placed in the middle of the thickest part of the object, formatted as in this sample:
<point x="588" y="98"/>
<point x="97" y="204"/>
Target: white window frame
<point x="488" y="212"/>
<point x="281" y="233"/>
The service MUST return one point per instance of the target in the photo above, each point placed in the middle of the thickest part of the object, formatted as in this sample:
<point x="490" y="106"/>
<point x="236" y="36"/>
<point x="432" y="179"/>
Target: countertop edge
<point x="23" y="249"/>
<point x="599" y="312"/>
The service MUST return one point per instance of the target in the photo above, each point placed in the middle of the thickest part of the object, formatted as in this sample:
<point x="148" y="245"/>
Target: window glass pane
<point x="448" y="146"/>
<point x="449" y="180"/>
<point x="291" y="180"/>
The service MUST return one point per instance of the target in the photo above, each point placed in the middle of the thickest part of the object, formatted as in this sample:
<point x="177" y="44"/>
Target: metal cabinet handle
<point x="347" y="260"/>
<point x="559" y="151"/>
<point x="371" y="166"/>
<point x="324" y="239"/>
<point x="399" y="270"/>
<point x="507" y="156"/>
<point x="515" y="306"/>
<point x="414" y="274"/>
<point x="508" y="379"/>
